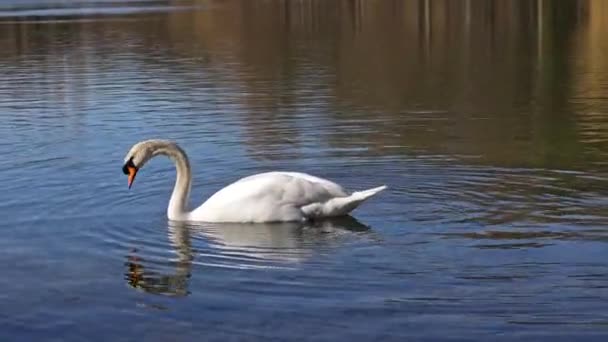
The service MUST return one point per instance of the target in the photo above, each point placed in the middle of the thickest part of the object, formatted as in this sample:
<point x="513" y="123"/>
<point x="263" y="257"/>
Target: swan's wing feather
<point x="286" y="187"/>
<point x="302" y="179"/>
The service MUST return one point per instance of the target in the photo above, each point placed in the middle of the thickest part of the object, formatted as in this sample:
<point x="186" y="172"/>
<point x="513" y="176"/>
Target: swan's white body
<point x="265" y="197"/>
<point x="279" y="196"/>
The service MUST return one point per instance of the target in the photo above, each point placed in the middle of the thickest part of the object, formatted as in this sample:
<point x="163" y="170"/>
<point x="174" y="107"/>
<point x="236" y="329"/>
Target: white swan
<point x="265" y="197"/>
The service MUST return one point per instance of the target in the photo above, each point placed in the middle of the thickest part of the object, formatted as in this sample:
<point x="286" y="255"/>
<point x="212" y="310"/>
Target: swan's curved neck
<point x="178" y="204"/>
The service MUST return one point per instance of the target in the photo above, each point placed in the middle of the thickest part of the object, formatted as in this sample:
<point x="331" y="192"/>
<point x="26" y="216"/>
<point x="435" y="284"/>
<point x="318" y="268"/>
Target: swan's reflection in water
<point x="148" y="275"/>
<point x="228" y="245"/>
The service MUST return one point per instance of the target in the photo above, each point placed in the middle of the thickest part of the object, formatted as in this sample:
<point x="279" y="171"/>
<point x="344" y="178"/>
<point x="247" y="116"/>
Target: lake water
<point x="488" y="120"/>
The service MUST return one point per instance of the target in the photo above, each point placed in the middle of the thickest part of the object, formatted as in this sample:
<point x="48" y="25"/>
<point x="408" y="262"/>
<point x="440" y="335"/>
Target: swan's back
<point x="270" y="196"/>
<point x="302" y="178"/>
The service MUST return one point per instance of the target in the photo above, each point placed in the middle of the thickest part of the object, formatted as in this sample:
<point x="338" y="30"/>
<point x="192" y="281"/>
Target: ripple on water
<point x="160" y="257"/>
<point x="484" y="196"/>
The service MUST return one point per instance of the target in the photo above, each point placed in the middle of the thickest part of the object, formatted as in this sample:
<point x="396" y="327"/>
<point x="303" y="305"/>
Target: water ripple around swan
<point x="160" y="258"/>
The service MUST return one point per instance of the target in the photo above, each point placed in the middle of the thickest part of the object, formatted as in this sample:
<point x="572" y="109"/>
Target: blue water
<point x="493" y="226"/>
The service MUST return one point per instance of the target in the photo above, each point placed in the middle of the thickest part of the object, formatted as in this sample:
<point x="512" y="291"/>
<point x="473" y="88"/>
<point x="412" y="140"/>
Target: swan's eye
<point x="125" y="168"/>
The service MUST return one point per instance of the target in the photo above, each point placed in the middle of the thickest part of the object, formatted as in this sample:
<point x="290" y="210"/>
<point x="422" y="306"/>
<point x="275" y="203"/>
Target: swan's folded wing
<point x="269" y="196"/>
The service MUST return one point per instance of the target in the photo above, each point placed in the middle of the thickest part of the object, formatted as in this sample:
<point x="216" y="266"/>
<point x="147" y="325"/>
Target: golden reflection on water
<point x="509" y="83"/>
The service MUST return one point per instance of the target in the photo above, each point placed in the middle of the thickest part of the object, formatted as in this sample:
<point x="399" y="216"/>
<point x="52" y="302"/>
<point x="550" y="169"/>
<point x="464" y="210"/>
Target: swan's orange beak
<point x="132" y="173"/>
<point x="130" y="170"/>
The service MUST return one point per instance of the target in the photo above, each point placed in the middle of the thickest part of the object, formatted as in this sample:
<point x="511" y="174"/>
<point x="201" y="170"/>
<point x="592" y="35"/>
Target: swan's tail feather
<point x="369" y="192"/>
<point x="340" y="206"/>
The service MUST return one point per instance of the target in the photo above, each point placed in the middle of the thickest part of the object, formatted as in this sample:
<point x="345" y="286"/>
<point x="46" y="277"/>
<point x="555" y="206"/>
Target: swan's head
<point x="141" y="153"/>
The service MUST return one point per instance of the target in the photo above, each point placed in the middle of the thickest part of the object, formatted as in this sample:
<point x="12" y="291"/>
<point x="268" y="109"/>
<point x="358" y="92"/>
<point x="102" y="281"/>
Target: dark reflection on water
<point x="487" y="119"/>
<point x="139" y="276"/>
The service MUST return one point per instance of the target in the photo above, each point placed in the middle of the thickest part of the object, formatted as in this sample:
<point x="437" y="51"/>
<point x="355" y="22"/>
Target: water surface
<point x="486" y="119"/>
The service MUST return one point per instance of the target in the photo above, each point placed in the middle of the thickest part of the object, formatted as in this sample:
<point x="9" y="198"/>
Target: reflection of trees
<point x="591" y="81"/>
<point x="498" y="105"/>
<point x="500" y="72"/>
<point x="397" y="60"/>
